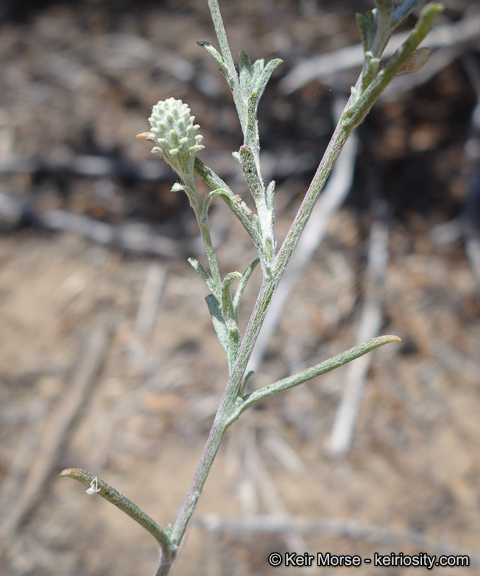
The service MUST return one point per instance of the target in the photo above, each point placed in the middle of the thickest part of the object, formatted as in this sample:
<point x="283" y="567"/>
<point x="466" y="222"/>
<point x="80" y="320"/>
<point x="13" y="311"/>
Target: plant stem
<point x="231" y="397"/>
<point x="232" y="392"/>
<point x="225" y="410"/>
<point x="216" y="184"/>
<point x="229" y="62"/>
<point x="108" y="492"/>
<point x="209" y="452"/>
<point x="232" y="403"/>
<point x="340" y="136"/>
<point x="202" y="219"/>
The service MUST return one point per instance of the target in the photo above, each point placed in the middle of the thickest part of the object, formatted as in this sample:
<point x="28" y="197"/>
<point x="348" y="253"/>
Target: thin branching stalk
<point x="175" y="135"/>
<point x="97" y="486"/>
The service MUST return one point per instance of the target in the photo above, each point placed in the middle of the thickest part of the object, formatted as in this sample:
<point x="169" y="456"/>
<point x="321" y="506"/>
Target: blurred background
<point x="108" y="360"/>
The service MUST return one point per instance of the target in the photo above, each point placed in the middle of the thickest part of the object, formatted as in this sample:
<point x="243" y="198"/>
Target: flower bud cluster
<point x="176" y="136"/>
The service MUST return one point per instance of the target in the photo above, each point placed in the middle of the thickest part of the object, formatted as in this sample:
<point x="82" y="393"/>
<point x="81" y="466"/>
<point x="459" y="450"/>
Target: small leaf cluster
<point x="224" y="308"/>
<point x="247" y="86"/>
<point x="376" y="28"/>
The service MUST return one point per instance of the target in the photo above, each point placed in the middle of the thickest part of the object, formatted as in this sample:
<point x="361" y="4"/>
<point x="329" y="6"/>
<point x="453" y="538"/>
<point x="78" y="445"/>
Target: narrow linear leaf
<point x="249" y="168"/>
<point x="270" y="196"/>
<point x="310" y="373"/>
<point x="402" y="55"/>
<point x="235" y="340"/>
<point x="244" y="61"/>
<point x="231" y="73"/>
<point x="367" y="27"/>
<point x="243" y="283"/>
<point x="265" y="77"/>
<point x="218" y="321"/>
<point x="227" y="331"/>
<point x="215" y="183"/>
<point x="251" y="134"/>
<point x="211" y="179"/>
<point x="248" y="377"/>
<point x="406" y="51"/>
<point x="385" y="6"/>
<point x="217" y="56"/>
<point x="383" y="28"/>
<point x="227" y="302"/>
<point x="124" y="504"/>
<point x="204" y="275"/>
<point x="403" y="11"/>
<point x="245" y="74"/>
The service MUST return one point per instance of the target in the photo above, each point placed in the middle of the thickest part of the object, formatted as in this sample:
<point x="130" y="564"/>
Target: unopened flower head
<point x="176" y="136"/>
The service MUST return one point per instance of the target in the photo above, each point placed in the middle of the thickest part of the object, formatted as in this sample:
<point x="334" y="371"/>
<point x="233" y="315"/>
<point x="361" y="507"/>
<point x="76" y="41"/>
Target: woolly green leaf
<point x="251" y="133"/>
<point x="98" y="486"/>
<point x="370" y="69"/>
<point x="247" y="161"/>
<point x="243" y="283"/>
<point x="227" y="302"/>
<point x="218" y="322"/>
<point x="230" y="317"/>
<point x="253" y="79"/>
<point x="235" y="340"/>
<point x="265" y="76"/>
<point x="364" y="100"/>
<point x="246" y="74"/>
<point x="383" y="20"/>
<point x="204" y="275"/>
<point x="367" y="27"/>
<point x="310" y="373"/>
<point x="247" y="379"/>
<point x="405" y="52"/>
<point x="385" y="6"/>
<point x="225" y="326"/>
<point x="269" y="195"/>
<point x="214" y="52"/>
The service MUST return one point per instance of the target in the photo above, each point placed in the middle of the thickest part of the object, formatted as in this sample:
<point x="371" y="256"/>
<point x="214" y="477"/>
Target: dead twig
<point x="370" y="323"/>
<point x="263" y="524"/>
<point x="86" y="165"/>
<point x="466" y="227"/>
<point x="269" y="493"/>
<point x="57" y="430"/>
<point x="471" y="209"/>
<point x="137" y="238"/>
<point x="27" y="447"/>
<point x="284" y="453"/>
<point x="147" y="314"/>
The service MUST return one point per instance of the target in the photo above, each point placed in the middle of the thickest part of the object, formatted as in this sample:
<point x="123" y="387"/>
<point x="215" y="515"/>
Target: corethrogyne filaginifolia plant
<point x="177" y="141"/>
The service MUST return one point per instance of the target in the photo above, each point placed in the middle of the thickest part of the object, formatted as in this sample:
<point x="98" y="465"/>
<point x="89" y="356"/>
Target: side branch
<point x="169" y="549"/>
<point x="310" y="373"/>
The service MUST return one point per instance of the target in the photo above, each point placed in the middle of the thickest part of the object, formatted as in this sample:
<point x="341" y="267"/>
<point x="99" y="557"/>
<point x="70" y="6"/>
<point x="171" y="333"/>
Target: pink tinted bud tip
<point x="146" y="136"/>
